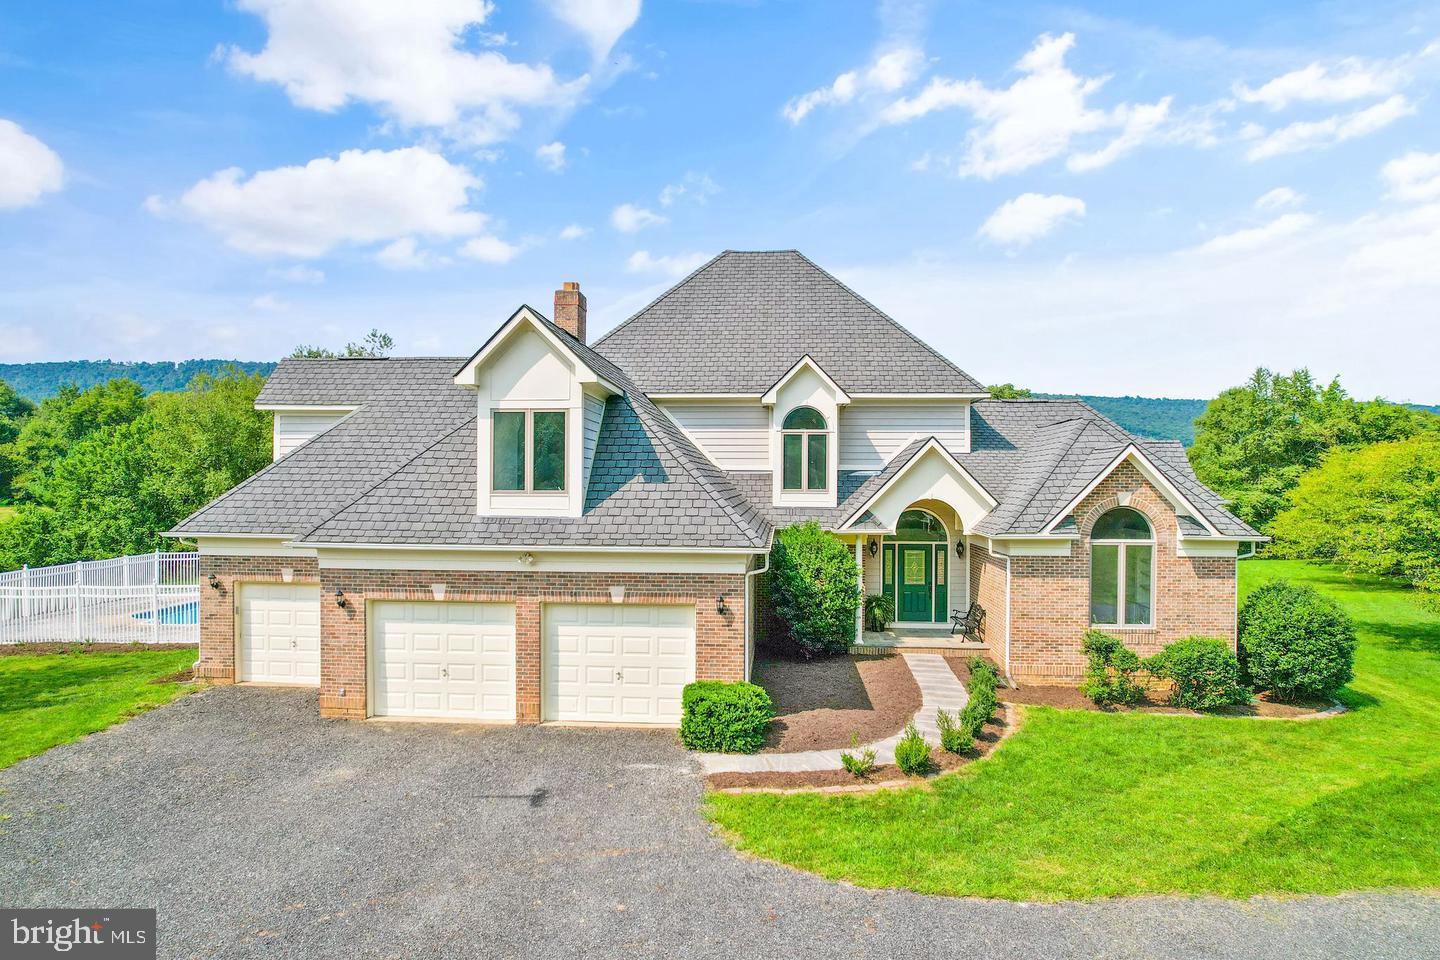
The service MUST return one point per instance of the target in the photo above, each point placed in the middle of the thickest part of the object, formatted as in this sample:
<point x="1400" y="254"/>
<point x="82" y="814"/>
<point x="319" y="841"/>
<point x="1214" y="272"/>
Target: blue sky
<point x="1118" y="198"/>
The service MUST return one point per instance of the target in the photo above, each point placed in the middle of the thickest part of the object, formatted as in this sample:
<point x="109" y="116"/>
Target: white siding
<point x="594" y="413"/>
<point x="293" y="429"/>
<point x="736" y="436"/>
<point x="872" y="433"/>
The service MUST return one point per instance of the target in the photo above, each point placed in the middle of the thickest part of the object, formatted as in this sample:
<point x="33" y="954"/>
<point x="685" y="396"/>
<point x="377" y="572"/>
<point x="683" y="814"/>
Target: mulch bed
<point x="180" y="676"/>
<point x="1070" y="698"/>
<point x="821" y="704"/>
<point x="941" y="762"/>
<point x="39" y="649"/>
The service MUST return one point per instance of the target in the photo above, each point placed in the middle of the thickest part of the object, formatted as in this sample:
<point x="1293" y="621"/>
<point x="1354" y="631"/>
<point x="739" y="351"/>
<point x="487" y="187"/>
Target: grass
<point x="1079" y="804"/>
<point x="50" y="699"/>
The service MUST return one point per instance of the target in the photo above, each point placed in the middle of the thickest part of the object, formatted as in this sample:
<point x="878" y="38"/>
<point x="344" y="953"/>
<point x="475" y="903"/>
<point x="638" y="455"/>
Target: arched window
<point x="916" y="525"/>
<point x="804" y="451"/>
<point x="1122" y="555"/>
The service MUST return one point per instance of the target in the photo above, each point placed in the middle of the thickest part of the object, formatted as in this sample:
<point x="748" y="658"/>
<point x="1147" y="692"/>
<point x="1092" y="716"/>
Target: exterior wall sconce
<point x="874" y="547"/>
<point x="959" y="548"/>
<point x="214" y="582"/>
<point x="437" y="590"/>
<point x="340" y="600"/>
<point x="617" y="593"/>
<point x="287" y="574"/>
<point x="720" y="607"/>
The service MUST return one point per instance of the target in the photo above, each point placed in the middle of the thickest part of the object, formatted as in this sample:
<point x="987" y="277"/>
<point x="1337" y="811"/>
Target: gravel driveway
<point x="259" y="830"/>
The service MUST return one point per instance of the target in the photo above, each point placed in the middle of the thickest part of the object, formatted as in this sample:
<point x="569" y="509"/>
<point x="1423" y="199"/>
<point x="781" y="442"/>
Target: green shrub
<point x="815" y="589"/>
<point x="912" y="753"/>
<point x="861" y="763"/>
<point x="983" y="671"/>
<point x="719" y="717"/>
<point x="953" y="738"/>
<point x="1110" y="669"/>
<point x="1295" y="642"/>
<point x="879" y="611"/>
<point x="1205" y="672"/>
<point x="978" y="710"/>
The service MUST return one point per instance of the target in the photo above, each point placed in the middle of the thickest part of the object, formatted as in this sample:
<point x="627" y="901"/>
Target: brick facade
<point x="1050" y="596"/>
<point x="719" y="638"/>
<point x="987" y="587"/>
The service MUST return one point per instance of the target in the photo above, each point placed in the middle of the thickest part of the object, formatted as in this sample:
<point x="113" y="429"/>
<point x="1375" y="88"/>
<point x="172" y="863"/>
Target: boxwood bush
<point x="1206" y="673"/>
<point x="912" y="753"/>
<point x="978" y="709"/>
<point x="1110" y="669"/>
<point x="718" y="717"/>
<point x="816" y="591"/>
<point x="1295" y="642"/>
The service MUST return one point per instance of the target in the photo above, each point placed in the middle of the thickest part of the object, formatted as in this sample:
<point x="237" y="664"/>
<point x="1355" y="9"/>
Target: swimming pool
<point x="179" y="613"/>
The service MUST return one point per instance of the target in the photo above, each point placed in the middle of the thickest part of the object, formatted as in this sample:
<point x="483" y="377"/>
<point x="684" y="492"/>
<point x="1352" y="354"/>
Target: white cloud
<point x="1035" y="119"/>
<point x="1315" y="134"/>
<point x="1414" y="176"/>
<point x="489" y="250"/>
<point x="641" y="261"/>
<point x="1253" y="238"/>
<point x="600" y="22"/>
<point x="574" y="231"/>
<point x="551" y="156"/>
<point x="888" y="72"/>
<point x="1029" y="217"/>
<point x="28" y="168"/>
<point x="360" y="197"/>
<point x="1350" y="79"/>
<point x="1280" y="198"/>
<point x="697" y="186"/>
<point x="404" y="254"/>
<point x="269" y="302"/>
<point x="299" y="273"/>
<point x="407" y="59"/>
<point x="628" y="218"/>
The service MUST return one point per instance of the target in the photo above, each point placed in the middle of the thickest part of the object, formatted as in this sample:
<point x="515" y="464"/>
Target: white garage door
<point x="279" y="635"/>
<point x="451" y="660"/>
<point x="617" y="663"/>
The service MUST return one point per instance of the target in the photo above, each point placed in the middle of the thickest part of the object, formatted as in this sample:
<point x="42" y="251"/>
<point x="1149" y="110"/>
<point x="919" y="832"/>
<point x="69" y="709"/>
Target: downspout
<point x="750" y="615"/>
<point x="1007" y="621"/>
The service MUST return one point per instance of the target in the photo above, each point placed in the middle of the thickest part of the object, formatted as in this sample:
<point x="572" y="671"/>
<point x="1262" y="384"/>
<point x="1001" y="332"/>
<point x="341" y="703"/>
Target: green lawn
<point x="53" y="699"/>
<point x="1080" y="804"/>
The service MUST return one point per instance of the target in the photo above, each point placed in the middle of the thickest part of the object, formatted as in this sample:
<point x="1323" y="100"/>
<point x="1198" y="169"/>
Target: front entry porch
<point x="911" y="639"/>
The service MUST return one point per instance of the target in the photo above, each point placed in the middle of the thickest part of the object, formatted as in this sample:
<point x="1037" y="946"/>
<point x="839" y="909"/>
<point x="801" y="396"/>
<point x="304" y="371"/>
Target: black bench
<point x="967" y="624"/>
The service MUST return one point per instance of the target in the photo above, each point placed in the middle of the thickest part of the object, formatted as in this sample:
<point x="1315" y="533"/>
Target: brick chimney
<point x="570" y="309"/>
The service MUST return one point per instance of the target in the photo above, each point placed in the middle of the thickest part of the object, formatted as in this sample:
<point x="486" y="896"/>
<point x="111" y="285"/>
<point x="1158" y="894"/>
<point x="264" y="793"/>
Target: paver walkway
<point x="939" y="690"/>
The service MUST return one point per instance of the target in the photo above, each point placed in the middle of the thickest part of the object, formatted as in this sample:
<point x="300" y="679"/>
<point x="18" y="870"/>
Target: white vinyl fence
<point x="150" y="598"/>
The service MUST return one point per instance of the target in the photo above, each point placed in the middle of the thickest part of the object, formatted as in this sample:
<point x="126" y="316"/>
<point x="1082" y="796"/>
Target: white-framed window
<point x="527" y="451"/>
<point x="1122" y="570"/>
<point x="804" y="450"/>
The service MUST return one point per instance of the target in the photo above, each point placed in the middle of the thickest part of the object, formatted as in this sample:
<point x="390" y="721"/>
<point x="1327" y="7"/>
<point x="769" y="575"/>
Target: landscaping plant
<point x="879" y="611"/>
<point x="1205" y="671"/>
<point x="953" y="737"/>
<point x="912" y="753"/>
<point x="978" y="710"/>
<point x="861" y="763"/>
<point x="718" y="717"/>
<point x="1110" y="670"/>
<point x="1296" y="643"/>
<point x="978" y="666"/>
<point x="815" y="589"/>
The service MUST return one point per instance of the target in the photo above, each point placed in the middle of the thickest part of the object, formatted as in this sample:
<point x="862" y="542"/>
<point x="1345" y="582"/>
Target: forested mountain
<point x="40" y="381"/>
<point x="1158" y="417"/>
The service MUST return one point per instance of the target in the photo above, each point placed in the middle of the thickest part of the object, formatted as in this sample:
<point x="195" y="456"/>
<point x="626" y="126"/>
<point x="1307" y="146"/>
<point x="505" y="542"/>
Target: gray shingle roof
<point x="741" y="321"/>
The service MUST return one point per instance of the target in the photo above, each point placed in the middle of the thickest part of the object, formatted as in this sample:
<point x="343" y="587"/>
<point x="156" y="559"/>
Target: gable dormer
<point x="804" y="407"/>
<point x="539" y="407"/>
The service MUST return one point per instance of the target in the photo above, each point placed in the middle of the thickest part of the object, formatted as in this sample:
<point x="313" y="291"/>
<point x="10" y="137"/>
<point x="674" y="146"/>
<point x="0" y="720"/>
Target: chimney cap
<point x="570" y="285"/>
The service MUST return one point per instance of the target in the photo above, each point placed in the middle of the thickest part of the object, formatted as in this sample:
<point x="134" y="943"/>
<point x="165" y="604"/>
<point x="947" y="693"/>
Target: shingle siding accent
<point x="719" y="638"/>
<point x="1050" y="596"/>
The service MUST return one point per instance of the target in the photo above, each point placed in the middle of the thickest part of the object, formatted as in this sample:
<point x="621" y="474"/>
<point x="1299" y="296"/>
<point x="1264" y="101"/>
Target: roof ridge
<point x="1049" y="470"/>
<point x="684" y="280"/>
<point x="898" y="325"/>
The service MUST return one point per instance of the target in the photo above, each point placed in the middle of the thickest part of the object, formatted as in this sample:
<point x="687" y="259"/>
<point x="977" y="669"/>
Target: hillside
<point x="38" y="381"/>
<point x="1158" y="417"/>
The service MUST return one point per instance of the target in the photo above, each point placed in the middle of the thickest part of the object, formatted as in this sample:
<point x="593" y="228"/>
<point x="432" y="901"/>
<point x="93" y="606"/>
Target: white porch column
<point x="860" y="575"/>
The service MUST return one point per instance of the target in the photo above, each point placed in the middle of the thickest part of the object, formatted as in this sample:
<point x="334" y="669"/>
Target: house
<point x="558" y="530"/>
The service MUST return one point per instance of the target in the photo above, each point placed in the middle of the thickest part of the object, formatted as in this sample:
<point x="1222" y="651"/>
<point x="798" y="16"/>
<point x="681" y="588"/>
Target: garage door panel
<point x="617" y="663"/>
<point x="444" y="660"/>
<point x="279" y="635"/>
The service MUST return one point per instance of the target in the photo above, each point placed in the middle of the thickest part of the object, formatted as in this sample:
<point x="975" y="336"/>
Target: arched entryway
<point x="915" y="568"/>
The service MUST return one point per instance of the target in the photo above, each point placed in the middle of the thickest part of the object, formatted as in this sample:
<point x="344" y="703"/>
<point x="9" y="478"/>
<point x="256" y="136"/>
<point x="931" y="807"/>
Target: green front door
<point x="917" y="585"/>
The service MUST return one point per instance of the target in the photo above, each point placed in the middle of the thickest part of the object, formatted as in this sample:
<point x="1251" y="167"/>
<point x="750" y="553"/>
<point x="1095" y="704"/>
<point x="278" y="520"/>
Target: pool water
<point x="179" y="613"/>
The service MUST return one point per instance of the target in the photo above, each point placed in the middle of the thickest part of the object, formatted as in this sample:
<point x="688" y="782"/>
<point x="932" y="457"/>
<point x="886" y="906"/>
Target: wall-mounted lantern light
<point x="874" y="546"/>
<point x="959" y="548"/>
<point x="214" y="582"/>
<point x="720" y="607"/>
<point x="340" y="600"/>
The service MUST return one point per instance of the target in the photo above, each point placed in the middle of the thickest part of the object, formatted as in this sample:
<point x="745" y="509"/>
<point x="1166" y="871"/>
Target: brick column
<point x="527" y="659"/>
